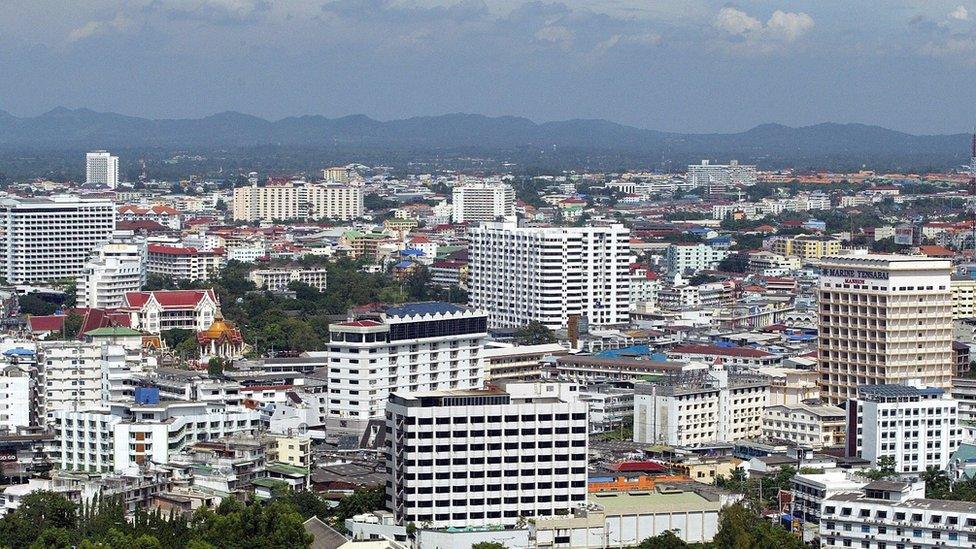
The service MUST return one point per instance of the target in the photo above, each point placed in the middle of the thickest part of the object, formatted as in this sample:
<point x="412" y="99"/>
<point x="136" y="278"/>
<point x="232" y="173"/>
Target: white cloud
<point x="750" y="35"/>
<point x="959" y="14"/>
<point x="93" y="28"/>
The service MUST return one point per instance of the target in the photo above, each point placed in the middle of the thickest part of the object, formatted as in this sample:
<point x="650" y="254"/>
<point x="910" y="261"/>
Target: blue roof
<point x="625" y="351"/>
<point x="412" y="252"/>
<point x="423" y="308"/>
<point x="891" y="390"/>
<point x="18" y="351"/>
<point x="403" y="264"/>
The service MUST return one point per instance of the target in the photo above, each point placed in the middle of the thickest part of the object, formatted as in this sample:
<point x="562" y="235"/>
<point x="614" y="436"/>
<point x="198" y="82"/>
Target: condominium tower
<point x="297" y="200"/>
<point x="47" y="239"/>
<point x="483" y="201"/>
<point x="101" y="168"/>
<point x="884" y="319"/>
<point x="521" y="274"/>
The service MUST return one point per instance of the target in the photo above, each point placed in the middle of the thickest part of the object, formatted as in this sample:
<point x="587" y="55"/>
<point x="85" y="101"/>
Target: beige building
<point x="290" y="449"/>
<point x="297" y="200"/>
<point x="806" y="246"/>
<point x="963" y="297"/>
<point x="813" y="426"/>
<point x="277" y="280"/>
<point x="883" y="319"/>
<point x="519" y="363"/>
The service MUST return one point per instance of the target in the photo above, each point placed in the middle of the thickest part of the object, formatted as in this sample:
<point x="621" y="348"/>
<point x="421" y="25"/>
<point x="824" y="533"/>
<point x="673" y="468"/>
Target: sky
<point x="675" y="65"/>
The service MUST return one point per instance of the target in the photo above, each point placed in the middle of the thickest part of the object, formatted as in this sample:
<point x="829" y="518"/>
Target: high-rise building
<point x="520" y="274"/>
<point x="486" y="457"/>
<point x="411" y="347"/>
<point x="918" y="427"/>
<point x="113" y="269"/>
<point x="884" y="319"/>
<point x="47" y="239"/>
<point x="718" y="179"/>
<point x="297" y="200"/>
<point x="101" y="168"/>
<point x="184" y="262"/>
<point x="483" y="201"/>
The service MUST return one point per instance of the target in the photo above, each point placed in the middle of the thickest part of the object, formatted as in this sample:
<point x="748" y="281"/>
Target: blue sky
<point x="690" y="65"/>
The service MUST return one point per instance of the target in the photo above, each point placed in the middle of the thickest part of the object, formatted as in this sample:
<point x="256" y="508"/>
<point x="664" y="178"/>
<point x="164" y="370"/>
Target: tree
<point x="937" y="482"/>
<point x="30" y="304"/>
<point x="534" y="333"/>
<point x="740" y="528"/>
<point x="215" y="367"/>
<point x="72" y="325"/>
<point x="667" y="540"/>
<point x="489" y="545"/>
<point x="360" y="501"/>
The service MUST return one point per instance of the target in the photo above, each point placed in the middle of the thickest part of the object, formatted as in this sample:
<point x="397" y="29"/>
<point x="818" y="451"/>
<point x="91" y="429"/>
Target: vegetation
<point x="32" y="305"/>
<point x="489" y="545"/>
<point x="534" y="333"/>
<point x="762" y="493"/>
<point x="885" y="469"/>
<point x="739" y="528"/>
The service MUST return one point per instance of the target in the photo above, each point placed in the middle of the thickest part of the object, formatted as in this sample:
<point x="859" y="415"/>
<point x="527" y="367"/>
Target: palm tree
<point x="937" y="482"/>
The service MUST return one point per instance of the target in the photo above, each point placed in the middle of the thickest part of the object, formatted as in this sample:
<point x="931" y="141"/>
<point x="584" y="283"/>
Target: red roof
<point x="360" y="323"/>
<point x="720" y="351"/>
<point x="936" y="251"/>
<point x="169" y="299"/>
<point x="46" y="323"/>
<point x="638" y="467"/>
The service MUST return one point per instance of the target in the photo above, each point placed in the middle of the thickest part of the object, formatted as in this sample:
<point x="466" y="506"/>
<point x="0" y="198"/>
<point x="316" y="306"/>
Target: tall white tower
<point x="101" y="168"/>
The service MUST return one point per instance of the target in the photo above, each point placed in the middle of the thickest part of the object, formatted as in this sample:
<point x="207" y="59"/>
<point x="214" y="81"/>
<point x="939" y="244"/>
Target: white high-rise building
<point x="520" y="275"/>
<point x="114" y="269"/>
<point x="719" y="178"/>
<point x="101" y="168"/>
<point x="47" y="239"/>
<point x="917" y="426"/>
<point x="486" y="457"/>
<point x="411" y="347"/>
<point x="298" y="200"/>
<point x="70" y="376"/>
<point x="884" y="319"/>
<point x="483" y="201"/>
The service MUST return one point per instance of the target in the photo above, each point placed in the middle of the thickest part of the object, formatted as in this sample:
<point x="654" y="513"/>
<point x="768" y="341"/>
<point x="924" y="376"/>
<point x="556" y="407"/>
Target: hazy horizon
<point x="690" y="66"/>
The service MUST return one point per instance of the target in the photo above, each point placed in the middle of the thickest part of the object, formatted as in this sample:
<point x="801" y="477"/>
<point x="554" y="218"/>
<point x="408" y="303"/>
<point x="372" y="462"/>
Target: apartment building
<point x="277" y="280"/>
<point x="691" y="258"/>
<point x="521" y="275"/>
<point x="917" y="426"/>
<point x="894" y="514"/>
<point x="963" y="297"/>
<point x="805" y="246"/>
<point x="184" y="262"/>
<point x="806" y="425"/>
<point x="48" y="239"/>
<point x="699" y="407"/>
<point x="719" y="179"/>
<point x="113" y="269"/>
<point x="18" y="398"/>
<point x="128" y="434"/>
<point x="519" y="362"/>
<point x="744" y="357"/>
<point x="811" y="489"/>
<point x="883" y="319"/>
<point x="101" y="168"/>
<point x="411" y="347"/>
<point x="486" y="457"/>
<point x="766" y="263"/>
<point x="69" y="376"/>
<point x="281" y="200"/>
<point x="483" y="201"/>
<point x="645" y="285"/>
<point x="611" y="407"/>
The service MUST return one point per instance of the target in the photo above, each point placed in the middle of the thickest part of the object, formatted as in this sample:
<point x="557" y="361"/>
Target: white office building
<point x="806" y="425"/>
<point x="917" y="426"/>
<point x="101" y="168"/>
<point x="718" y="179"/>
<point x="46" y="239"/>
<point x="691" y="258"/>
<point x="113" y="269"/>
<point x="483" y="201"/>
<point x="277" y="280"/>
<point x="408" y="348"/>
<point x="520" y="275"/>
<point x="700" y="407"/>
<point x="486" y="457"/>
<point x="883" y="319"/>
<point x="895" y="515"/>
<point x="125" y="434"/>
<point x="811" y="489"/>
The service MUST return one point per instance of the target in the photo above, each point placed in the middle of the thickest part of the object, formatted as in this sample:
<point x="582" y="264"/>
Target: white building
<point x="918" y="427"/>
<point x="407" y="348"/>
<point x="162" y="310"/>
<point x="124" y="435"/>
<point x="486" y="457"/>
<point x="298" y="200"/>
<point x="610" y="407"/>
<point x="810" y="489"/>
<point x="699" y="407"/>
<point x="519" y="362"/>
<point x="963" y="297"/>
<point x="807" y="425"/>
<point x="113" y="269"/>
<point x="70" y="376"/>
<point x="520" y="275"/>
<point x="184" y="262"/>
<point x="883" y="319"/>
<point x="691" y="258"/>
<point x="47" y="239"/>
<point x="101" y="168"/>
<point x="483" y="201"/>
<point x="18" y="398"/>
<point x="277" y="280"/>
<point x="718" y="179"/>
<point x="645" y="285"/>
<point x="892" y="515"/>
<point x="767" y="263"/>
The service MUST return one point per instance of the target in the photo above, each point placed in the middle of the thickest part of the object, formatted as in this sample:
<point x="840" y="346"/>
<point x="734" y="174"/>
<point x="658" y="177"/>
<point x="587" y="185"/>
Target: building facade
<point x="297" y="200"/>
<point x="483" y="201"/>
<point x="807" y="425"/>
<point x="113" y="270"/>
<point x="883" y="319"/>
<point x="101" y="168"/>
<point x="277" y="280"/>
<point x="184" y="262"/>
<point x="521" y="275"/>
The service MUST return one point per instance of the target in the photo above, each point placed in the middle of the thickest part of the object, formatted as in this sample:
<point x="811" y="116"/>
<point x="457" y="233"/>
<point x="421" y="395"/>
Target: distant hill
<point x="768" y="144"/>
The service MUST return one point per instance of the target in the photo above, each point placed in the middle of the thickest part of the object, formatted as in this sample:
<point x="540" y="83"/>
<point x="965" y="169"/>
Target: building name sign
<point x="854" y="273"/>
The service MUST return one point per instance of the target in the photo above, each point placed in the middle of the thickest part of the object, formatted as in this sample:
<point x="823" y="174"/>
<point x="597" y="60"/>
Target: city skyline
<point x="700" y="66"/>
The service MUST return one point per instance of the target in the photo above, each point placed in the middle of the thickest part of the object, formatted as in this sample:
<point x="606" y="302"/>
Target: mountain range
<point x="67" y="129"/>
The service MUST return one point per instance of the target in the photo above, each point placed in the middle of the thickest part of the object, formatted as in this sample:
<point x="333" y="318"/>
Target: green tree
<point x="72" y="325"/>
<point x="215" y="367"/>
<point x="534" y="333"/>
<point x="937" y="482"/>
<point x="30" y="304"/>
<point x="360" y="501"/>
<point x="667" y="540"/>
<point x="489" y="545"/>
